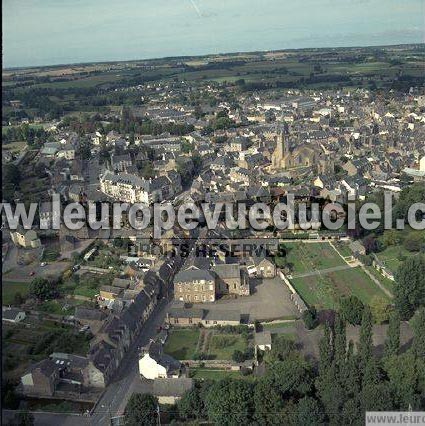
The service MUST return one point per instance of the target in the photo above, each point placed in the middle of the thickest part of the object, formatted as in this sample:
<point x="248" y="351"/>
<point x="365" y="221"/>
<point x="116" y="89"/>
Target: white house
<point x="154" y="364"/>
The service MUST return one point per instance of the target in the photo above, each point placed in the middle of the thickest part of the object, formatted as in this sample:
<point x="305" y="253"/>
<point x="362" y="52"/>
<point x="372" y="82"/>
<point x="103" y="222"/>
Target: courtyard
<point x="270" y="299"/>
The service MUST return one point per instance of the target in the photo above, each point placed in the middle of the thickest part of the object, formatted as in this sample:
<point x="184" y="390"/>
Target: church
<point x="299" y="157"/>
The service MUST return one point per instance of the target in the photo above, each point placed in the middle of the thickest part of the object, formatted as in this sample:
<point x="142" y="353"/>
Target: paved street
<point x="127" y="380"/>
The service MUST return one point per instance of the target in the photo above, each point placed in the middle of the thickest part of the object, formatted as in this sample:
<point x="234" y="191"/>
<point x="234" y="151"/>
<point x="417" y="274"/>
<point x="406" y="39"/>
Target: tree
<point x="340" y="342"/>
<point x="365" y="342"/>
<point x="230" y="402"/>
<point x="392" y="343"/>
<point x="310" y="318"/>
<point x="351" y="309"/>
<point x="141" y="410"/>
<point x="414" y="241"/>
<point x="380" y="309"/>
<point x="191" y="405"/>
<point x="408" y="196"/>
<point x="238" y="356"/>
<point x="42" y="289"/>
<point x="292" y="376"/>
<point x="391" y="237"/>
<point x="371" y="244"/>
<point x="309" y="412"/>
<point x="268" y="403"/>
<point x="282" y="348"/>
<point x="418" y="325"/>
<point x="406" y="375"/>
<point x="409" y="287"/>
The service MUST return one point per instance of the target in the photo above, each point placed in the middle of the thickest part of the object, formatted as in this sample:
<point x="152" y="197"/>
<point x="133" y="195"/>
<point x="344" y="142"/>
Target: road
<point x="127" y="379"/>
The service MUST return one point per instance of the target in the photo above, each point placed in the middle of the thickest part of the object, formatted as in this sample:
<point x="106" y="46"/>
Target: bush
<point x="310" y="318"/>
<point x="414" y="242"/>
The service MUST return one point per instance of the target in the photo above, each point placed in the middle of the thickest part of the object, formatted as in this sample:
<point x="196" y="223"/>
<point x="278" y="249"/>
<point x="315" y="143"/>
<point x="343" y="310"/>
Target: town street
<point x="127" y="379"/>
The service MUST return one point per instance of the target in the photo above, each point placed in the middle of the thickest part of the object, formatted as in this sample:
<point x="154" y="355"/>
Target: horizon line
<point x="25" y="67"/>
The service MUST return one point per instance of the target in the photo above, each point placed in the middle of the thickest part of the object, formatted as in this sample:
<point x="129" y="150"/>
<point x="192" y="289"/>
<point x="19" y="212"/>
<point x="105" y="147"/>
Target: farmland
<point x="307" y="257"/>
<point x="325" y="290"/>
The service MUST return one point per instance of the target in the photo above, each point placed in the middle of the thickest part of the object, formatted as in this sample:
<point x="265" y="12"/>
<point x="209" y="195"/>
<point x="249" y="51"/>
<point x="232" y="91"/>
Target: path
<point x="323" y="271"/>
<point x="376" y="281"/>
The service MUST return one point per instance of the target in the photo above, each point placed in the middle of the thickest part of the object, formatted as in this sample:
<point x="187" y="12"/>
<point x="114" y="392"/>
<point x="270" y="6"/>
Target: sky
<point x="50" y="32"/>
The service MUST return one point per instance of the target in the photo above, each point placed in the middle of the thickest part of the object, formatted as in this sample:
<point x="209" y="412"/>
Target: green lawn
<point x="182" y="344"/>
<point x="85" y="291"/>
<point x="343" y="249"/>
<point x="222" y="346"/>
<point x="55" y="307"/>
<point x="10" y="289"/>
<point x="274" y="326"/>
<point x="325" y="290"/>
<point x="211" y="374"/>
<point x="306" y="257"/>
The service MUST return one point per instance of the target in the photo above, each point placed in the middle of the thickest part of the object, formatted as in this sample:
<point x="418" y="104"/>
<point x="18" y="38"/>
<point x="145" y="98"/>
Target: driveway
<point x="270" y="299"/>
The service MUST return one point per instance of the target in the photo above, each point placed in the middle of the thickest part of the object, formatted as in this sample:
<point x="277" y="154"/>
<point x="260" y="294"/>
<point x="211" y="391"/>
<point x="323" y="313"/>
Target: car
<point x="31" y="273"/>
<point x="43" y="264"/>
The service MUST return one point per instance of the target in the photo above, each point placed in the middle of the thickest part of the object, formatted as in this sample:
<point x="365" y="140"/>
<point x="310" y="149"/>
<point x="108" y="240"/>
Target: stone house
<point x="194" y="286"/>
<point x="231" y="279"/>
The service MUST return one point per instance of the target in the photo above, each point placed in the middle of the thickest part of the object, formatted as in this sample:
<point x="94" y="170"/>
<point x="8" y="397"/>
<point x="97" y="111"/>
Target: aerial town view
<point x="213" y="213"/>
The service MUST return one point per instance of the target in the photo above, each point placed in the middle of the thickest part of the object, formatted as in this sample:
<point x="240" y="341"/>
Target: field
<point x="182" y="344"/>
<point x="325" y="290"/>
<point x="222" y="346"/>
<point x="307" y="257"/>
<point x="9" y="290"/>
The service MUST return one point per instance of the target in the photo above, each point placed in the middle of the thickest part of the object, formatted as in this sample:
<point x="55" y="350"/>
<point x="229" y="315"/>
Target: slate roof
<point x="193" y="275"/>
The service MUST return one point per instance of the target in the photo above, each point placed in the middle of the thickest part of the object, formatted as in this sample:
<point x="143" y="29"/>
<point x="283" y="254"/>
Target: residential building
<point x="155" y="364"/>
<point x="194" y="286"/>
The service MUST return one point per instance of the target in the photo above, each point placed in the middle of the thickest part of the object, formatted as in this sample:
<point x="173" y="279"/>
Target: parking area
<point x="269" y="299"/>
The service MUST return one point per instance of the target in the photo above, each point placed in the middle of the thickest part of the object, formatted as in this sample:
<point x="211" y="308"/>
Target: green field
<point x="325" y="290"/>
<point x="10" y="289"/>
<point x="393" y="256"/>
<point x="343" y="249"/>
<point x="222" y="346"/>
<point x="307" y="257"/>
<point x="182" y="344"/>
<point x="279" y="325"/>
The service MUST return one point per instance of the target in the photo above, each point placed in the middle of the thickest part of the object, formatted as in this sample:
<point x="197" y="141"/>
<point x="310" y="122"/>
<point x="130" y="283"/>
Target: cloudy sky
<point x="46" y="32"/>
